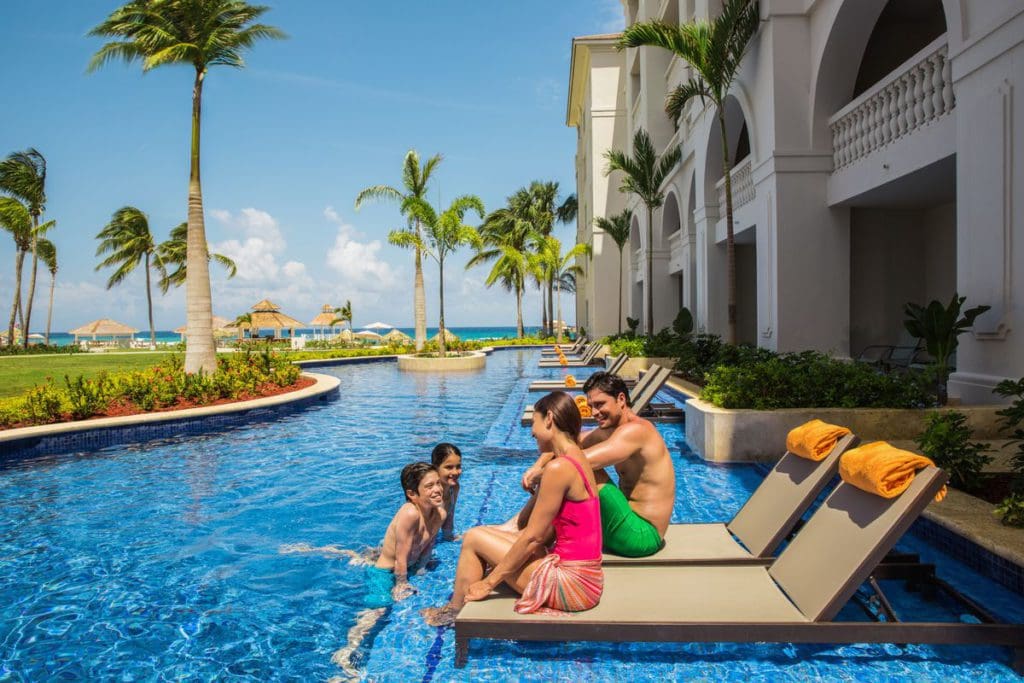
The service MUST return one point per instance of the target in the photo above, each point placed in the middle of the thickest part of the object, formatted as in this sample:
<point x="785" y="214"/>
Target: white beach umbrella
<point x="377" y="326"/>
<point x="366" y="335"/>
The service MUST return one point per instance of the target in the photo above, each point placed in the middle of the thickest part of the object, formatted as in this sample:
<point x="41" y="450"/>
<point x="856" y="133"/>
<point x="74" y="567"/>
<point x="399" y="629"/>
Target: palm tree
<point x="414" y="179"/>
<point x="203" y="34"/>
<point x="511" y="268"/>
<point x="617" y="227"/>
<point x="343" y="314"/>
<point x="643" y="174"/>
<point x="544" y="210"/>
<point x="128" y="241"/>
<point x="715" y="50"/>
<point x="47" y="252"/>
<point x="173" y="253"/>
<point x="444" y="233"/>
<point x="23" y="176"/>
<point x="15" y="219"/>
<point x="559" y="268"/>
<point x="242" y="323"/>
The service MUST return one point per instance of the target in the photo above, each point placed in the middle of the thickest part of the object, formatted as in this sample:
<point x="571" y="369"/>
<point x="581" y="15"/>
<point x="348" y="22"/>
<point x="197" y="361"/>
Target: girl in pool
<point x="567" y="578"/>
<point x="447" y="458"/>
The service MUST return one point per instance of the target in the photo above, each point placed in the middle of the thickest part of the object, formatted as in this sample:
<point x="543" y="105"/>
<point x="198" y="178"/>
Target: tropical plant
<point x="714" y="50"/>
<point x="1012" y="508"/>
<point x="173" y="253"/>
<point x="504" y="237"/>
<point x="444" y="233"/>
<point x="543" y="210"/>
<point x="15" y="219"/>
<point x="343" y="314"/>
<point x="643" y="175"/>
<point x="632" y="324"/>
<point x="947" y="440"/>
<point x="23" y="176"/>
<point x="203" y="34"/>
<point x="939" y="327"/>
<point x="47" y="252"/>
<point x="127" y="242"/>
<point x="683" y="324"/>
<point x="560" y="268"/>
<point x="415" y="178"/>
<point x="617" y="227"/>
<point x="243" y="323"/>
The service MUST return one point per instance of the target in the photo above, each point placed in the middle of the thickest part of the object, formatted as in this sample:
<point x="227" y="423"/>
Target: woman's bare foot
<point x="440" y="616"/>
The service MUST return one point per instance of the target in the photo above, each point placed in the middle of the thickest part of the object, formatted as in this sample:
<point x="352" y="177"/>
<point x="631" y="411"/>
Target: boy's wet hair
<point x="563" y="410"/>
<point x="442" y="451"/>
<point x="412" y="475"/>
<point x="606" y="382"/>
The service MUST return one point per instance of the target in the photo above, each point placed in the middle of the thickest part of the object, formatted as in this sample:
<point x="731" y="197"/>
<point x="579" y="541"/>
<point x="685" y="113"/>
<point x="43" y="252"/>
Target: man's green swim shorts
<point x="625" y="532"/>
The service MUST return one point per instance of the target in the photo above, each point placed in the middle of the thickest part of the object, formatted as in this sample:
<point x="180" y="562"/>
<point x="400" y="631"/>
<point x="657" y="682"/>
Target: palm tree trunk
<point x="149" y="303"/>
<point x="31" y="285"/>
<point x="19" y="262"/>
<point x="49" y="310"/>
<point x="551" y="303"/>
<point x="558" y="290"/>
<point x="419" y="298"/>
<point x="649" y="280"/>
<point x="543" y="311"/>
<point x="200" y="353"/>
<point x="730" y="242"/>
<point x="442" y="333"/>
<point x="620" y="290"/>
<point x="519" y="313"/>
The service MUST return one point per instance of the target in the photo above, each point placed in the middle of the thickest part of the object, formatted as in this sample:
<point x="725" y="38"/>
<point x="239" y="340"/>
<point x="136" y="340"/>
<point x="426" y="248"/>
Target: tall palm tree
<point x="559" y="268"/>
<point x="511" y="268"/>
<point x="414" y="179"/>
<point x="715" y="50"/>
<point x="173" y="253"/>
<point x="617" y="227"/>
<point x="343" y="314"/>
<point x="444" y="233"/>
<point x="47" y="252"/>
<point x="23" y="176"/>
<point x="243" y="323"/>
<point x="127" y="241"/>
<point x="203" y="34"/>
<point x="544" y="211"/>
<point x="15" y="219"/>
<point x="643" y="174"/>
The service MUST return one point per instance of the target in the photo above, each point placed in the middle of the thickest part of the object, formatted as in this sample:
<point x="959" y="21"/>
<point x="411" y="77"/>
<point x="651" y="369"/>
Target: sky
<point x="288" y="142"/>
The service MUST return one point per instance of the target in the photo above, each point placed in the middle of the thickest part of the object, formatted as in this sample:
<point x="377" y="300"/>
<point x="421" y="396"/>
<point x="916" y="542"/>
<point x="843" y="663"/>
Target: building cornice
<point x="579" y="72"/>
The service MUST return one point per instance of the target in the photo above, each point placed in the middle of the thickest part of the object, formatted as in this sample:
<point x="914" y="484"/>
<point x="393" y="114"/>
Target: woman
<point x="568" y="577"/>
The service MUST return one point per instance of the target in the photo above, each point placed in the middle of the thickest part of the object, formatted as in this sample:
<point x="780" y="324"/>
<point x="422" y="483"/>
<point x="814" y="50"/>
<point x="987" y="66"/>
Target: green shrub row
<point x="38" y="349"/>
<point x="239" y="376"/>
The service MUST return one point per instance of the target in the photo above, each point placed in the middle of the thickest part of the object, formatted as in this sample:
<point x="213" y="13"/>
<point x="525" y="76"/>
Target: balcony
<point x="914" y="95"/>
<point x="742" y="187"/>
<point x="638" y="265"/>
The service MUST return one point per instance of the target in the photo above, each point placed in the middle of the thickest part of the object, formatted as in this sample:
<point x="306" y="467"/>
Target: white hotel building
<point x="876" y="148"/>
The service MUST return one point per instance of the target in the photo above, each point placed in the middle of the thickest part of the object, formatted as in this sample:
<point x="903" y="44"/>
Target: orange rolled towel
<point x="883" y="469"/>
<point x="570" y="381"/>
<point x="815" y="439"/>
<point x="583" y="406"/>
<point x="562" y="361"/>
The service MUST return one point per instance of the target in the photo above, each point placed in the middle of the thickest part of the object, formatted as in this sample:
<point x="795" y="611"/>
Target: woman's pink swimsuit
<point x="569" y="578"/>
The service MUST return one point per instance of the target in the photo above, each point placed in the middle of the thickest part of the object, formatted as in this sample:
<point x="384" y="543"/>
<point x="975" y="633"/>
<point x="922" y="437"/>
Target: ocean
<point x="465" y="333"/>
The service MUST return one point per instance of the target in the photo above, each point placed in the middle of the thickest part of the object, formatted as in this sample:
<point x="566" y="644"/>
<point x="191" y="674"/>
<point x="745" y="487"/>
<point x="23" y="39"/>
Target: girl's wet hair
<point x="442" y="451"/>
<point x="563" y="410"/>
<point x="412" y="475"/>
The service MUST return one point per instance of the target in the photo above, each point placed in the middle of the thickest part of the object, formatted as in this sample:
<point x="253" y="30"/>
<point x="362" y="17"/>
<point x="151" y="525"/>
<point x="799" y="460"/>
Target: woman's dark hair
<point x="412" y="475"/>
<point x="442" y="451"/>
<point x="563" y="411"/>
<point x="607" y="383"/>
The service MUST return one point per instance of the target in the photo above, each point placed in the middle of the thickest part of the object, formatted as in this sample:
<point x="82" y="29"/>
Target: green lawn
<point x="18" y="373"/>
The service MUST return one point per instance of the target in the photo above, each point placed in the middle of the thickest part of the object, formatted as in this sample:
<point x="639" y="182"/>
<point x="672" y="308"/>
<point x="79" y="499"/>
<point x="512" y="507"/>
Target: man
<point x="636" y="513"/>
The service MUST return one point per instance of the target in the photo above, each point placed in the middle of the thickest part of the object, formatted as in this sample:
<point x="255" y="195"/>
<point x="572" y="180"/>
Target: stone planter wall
<point x="722" y="435"/>
<point x="633" y="366"/>
<point x="475" y="360"/>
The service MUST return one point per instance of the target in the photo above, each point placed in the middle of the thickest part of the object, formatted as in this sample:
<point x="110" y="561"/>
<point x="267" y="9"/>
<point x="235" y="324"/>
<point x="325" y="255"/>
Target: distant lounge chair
<point x="760" y="526"/>
<point x="551" y="355"/>
<point x="793" y="600"/>
<point x="640" y="399"/>
<point x="568" y="349"/>
<point x="892" y="356"/>
<point x="589" y="357"/>
<point x="559" y="384"/>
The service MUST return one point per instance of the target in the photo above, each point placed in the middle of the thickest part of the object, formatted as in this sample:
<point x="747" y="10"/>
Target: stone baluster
<point x="893" y="112"/>
<point x="918" y="97"/>
<point x="877" y="118"/>
<point x="838" y="140"/>
<point x="927" y="105"/>
<point x="883" y="119"/>
<point x="855" y="146"/>
<point x="947" y="84"/>
<point x="936" y="68"/>
<point x="901" y="105"/>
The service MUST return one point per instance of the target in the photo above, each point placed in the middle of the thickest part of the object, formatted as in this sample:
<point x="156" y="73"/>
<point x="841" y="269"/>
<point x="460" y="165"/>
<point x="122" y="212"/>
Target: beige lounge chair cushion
<point x="692" y="543"/>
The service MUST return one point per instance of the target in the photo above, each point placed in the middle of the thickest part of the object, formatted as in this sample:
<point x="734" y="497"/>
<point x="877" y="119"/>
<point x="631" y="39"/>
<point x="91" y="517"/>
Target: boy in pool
<point x="447" y="459"/>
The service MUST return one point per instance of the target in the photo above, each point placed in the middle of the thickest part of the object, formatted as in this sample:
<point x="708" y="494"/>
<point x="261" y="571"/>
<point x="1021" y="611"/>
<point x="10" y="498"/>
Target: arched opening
<point x="903" y="28"/>
<point x="672" y="239"/>
<point x="635" y="306"/>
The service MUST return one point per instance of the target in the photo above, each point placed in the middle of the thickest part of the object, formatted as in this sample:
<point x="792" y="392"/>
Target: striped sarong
<point x="557" y="586"/>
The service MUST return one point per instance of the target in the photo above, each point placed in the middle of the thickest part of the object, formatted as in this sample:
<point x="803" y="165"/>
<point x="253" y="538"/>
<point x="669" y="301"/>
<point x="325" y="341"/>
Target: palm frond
<point x="377" y="192"/>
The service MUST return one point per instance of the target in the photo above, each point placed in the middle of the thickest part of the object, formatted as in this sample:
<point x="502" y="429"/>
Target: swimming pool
<point x="161" y="560"/>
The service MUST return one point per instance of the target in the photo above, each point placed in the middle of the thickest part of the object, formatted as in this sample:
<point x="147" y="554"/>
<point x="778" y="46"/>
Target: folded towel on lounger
<point x="815" y="439"/>
<point x="570" y="381"/>
<point x="883" y="469"/>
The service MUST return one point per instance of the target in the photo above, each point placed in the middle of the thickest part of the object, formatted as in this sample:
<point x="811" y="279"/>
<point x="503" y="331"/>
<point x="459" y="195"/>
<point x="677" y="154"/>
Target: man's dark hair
<point x="608" y="383"/>
<point x="412" y="475"/>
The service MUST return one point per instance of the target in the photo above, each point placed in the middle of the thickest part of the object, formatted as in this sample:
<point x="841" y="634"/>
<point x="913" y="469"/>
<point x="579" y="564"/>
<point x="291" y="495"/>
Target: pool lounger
<point x="793" y="600"/>
<point x="641" y="397"/>
<point x="760" y="526"/>
<point x="566" y="348"/>
<point x="556" y="384"/>
<point x="588" y="358"/>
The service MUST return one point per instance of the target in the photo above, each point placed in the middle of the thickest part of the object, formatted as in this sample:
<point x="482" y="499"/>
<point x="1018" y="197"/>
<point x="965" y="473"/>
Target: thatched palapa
<point x="104" y="327"/>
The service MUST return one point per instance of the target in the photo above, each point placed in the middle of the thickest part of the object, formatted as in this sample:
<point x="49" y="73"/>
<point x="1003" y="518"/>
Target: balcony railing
<point x="916" y="93"/>
<point x="742" y="186"/>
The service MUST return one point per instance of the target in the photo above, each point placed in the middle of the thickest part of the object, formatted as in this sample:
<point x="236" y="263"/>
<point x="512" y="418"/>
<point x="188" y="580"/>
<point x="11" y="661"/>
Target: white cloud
<point x="358" y="263"/>
<point x="257" y="251"/>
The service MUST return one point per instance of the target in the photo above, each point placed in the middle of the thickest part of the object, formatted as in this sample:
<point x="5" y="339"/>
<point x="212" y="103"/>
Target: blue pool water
<point x="162" y="560"/>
